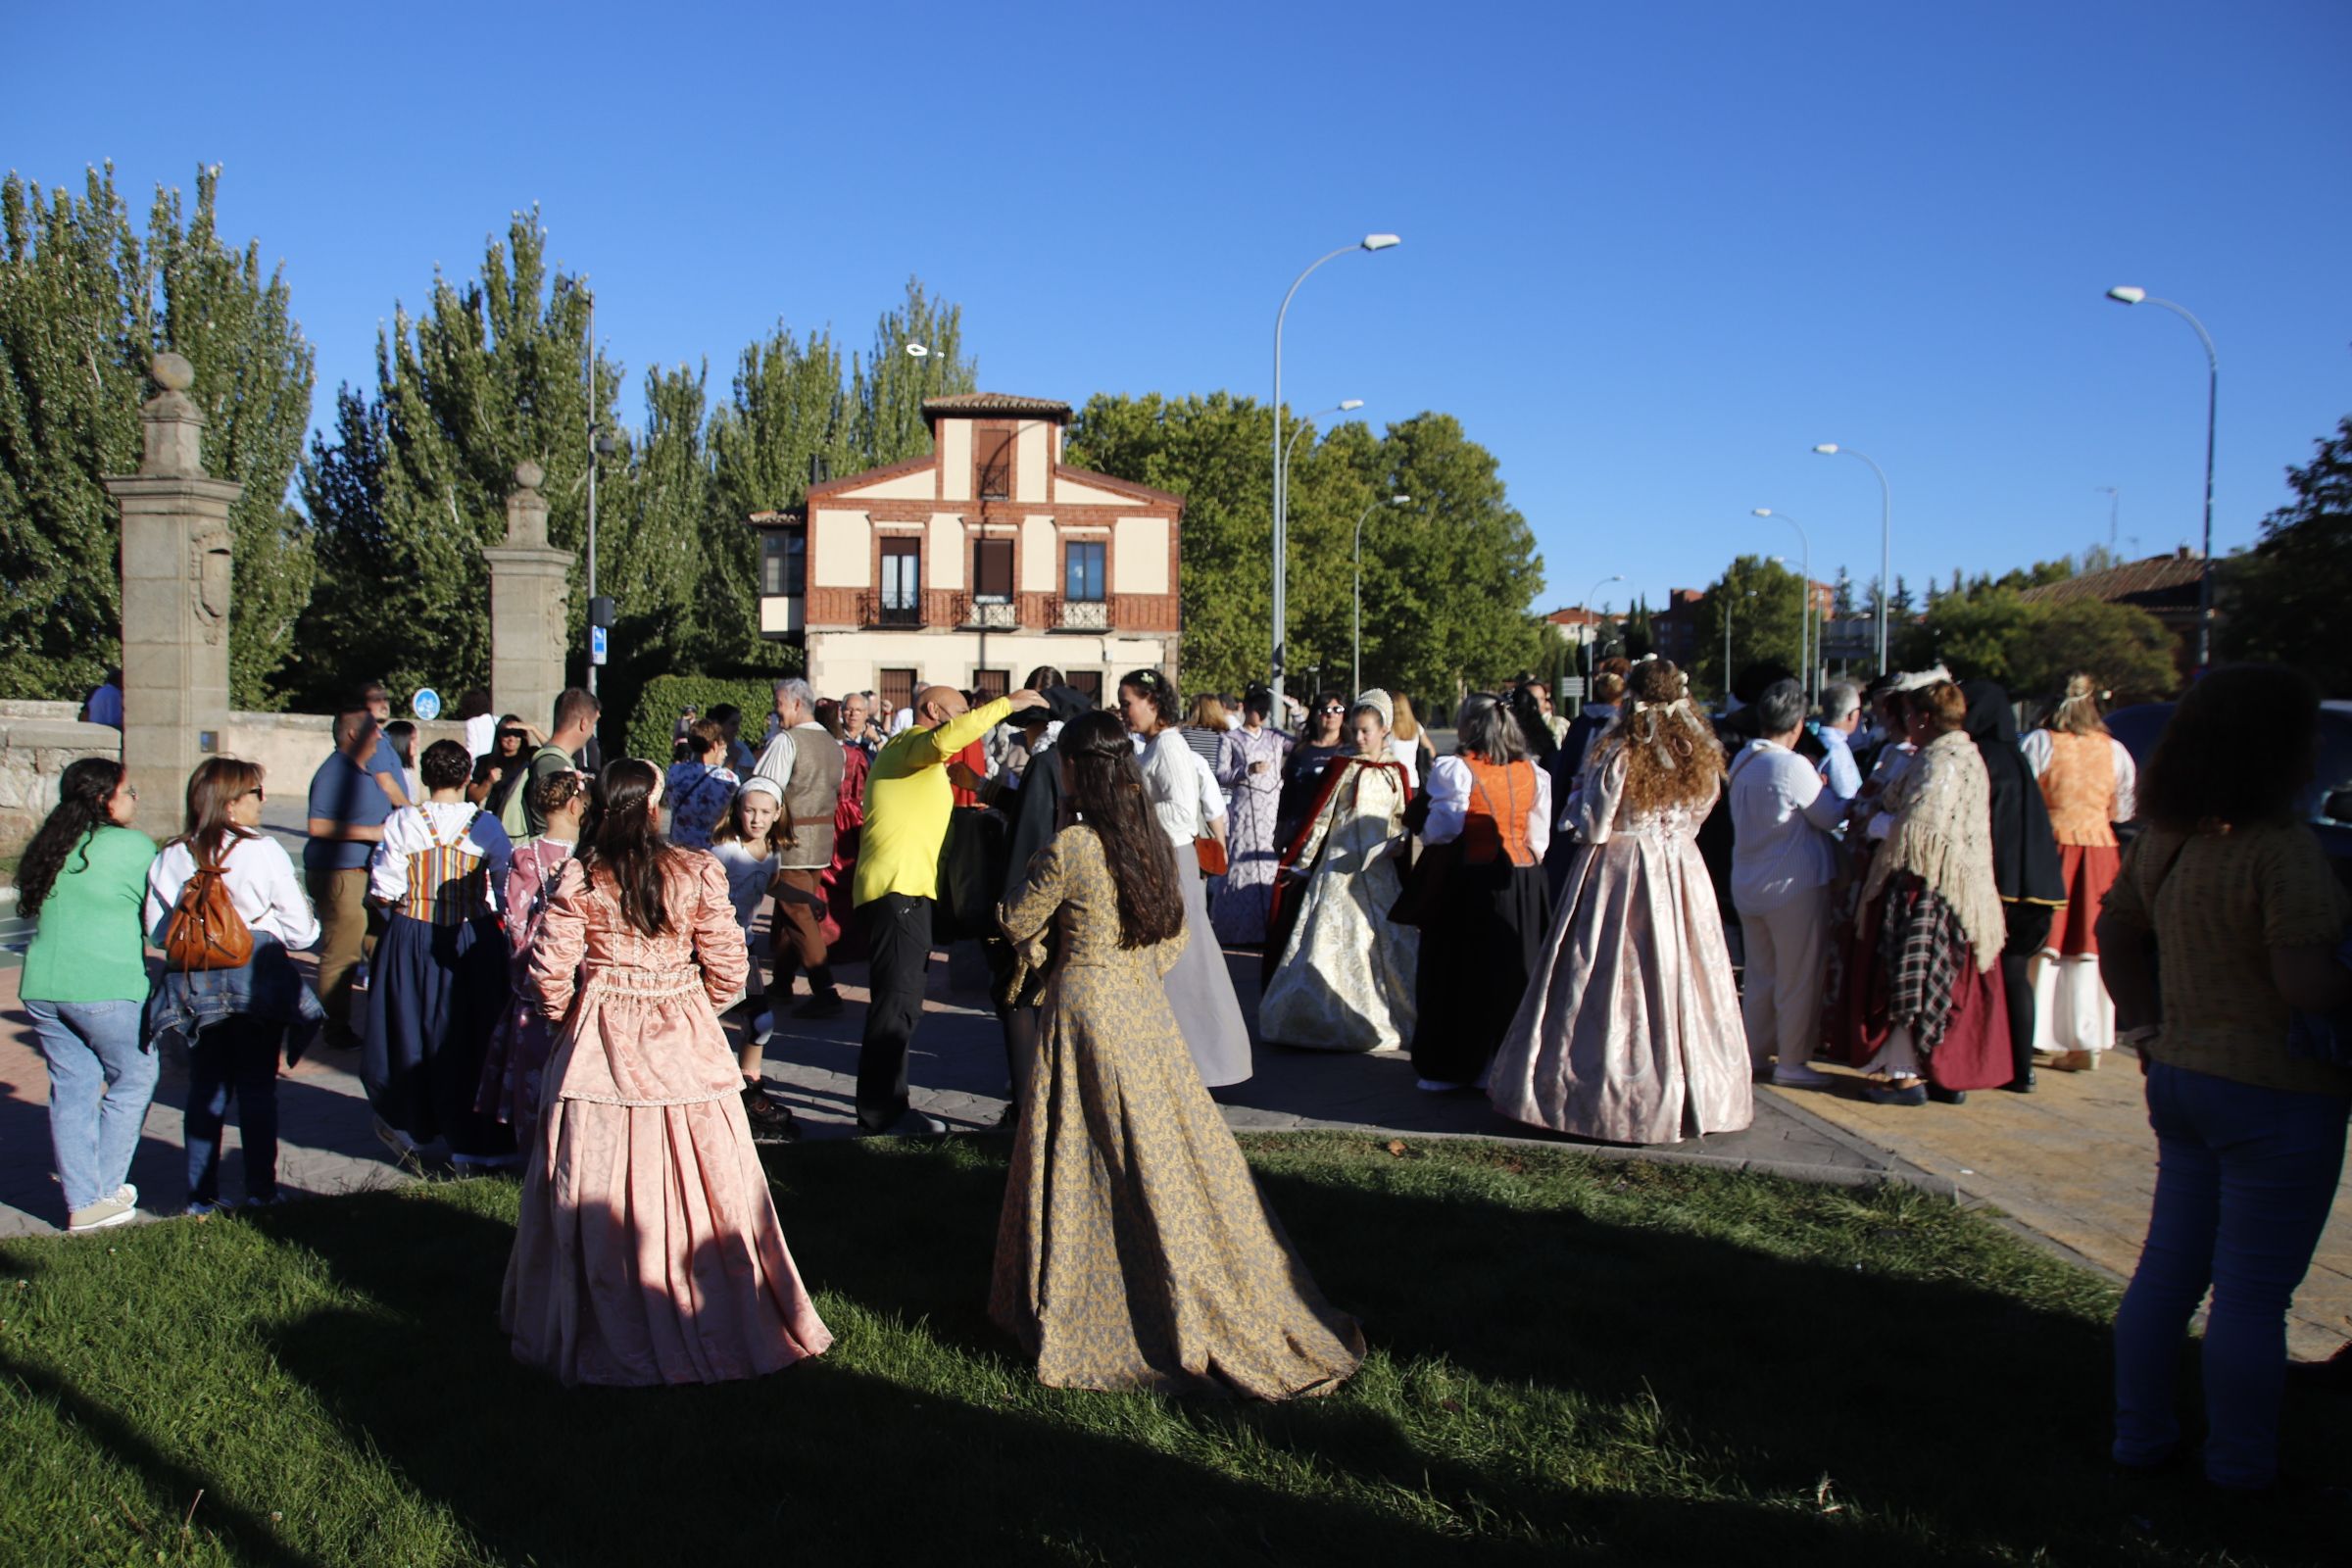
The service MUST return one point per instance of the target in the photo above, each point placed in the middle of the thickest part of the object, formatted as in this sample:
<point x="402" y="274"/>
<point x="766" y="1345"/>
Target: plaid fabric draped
<point x="1925" y="946"/>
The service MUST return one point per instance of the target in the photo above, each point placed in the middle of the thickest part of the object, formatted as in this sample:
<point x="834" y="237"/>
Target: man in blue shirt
<point x="105" y="705"/>
<point x="1840" y="714"/>
<point x="350" y="798"/>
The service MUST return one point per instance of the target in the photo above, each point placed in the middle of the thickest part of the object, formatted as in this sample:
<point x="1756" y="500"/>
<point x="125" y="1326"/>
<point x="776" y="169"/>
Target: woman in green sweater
<point x="82" y="878"/>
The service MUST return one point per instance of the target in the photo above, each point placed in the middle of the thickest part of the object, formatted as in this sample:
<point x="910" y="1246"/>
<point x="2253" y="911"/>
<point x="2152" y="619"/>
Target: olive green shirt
<point x="2219" y="903"/>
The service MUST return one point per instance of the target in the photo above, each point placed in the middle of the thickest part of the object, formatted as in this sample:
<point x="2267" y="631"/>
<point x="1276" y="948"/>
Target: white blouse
<point x="1185" y="793"/>
<point x="749" y="877"/>
<point x="262" y="886"/>
<point x="1450" y="784"/>
<point x="411" y="830"/>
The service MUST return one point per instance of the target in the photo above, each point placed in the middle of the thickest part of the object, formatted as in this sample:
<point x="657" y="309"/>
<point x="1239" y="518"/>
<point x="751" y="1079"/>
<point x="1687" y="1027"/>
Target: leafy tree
<point x="787" y="410"/>
<point x="1445" y="580"/>
<point x="2285" y="598"/>
<point x="413" y="483"/>
<point x="1841" y="608"/>
<point x="1762" y="599"/>
<point x="1903" y="606"/>
<point x="1641" y="639"/>
<point x="887" y="389"/>
<point x="84" y="305"/>
<point x="2098" y="558"/>
<point x="1994" y="633"/>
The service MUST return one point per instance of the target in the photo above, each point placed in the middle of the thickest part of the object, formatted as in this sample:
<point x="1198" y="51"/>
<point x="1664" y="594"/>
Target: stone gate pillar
<point x="530" y="592"/>
<point x="177" y="554"/>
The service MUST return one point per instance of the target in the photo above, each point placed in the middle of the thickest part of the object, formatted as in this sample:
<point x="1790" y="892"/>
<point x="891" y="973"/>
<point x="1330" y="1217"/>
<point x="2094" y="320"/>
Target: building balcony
<point x="987" y="614"/>
<point x="1077" y="614"/>
<point x="888" y="612"/>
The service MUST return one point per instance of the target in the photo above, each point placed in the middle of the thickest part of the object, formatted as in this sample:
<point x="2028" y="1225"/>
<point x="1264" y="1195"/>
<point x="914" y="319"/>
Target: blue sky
<point x="1653" y="253"/>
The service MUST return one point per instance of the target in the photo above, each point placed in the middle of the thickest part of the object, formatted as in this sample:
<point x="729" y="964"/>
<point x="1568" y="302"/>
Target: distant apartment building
<point x="975" y="564"/>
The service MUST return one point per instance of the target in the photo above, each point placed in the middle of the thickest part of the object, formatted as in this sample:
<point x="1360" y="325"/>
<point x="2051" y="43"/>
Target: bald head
<point x="936" y="704"/>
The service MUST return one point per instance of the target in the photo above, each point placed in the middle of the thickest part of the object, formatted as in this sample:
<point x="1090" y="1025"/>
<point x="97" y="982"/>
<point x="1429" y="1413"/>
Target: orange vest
<point x="2079" y="786"/>
<point x="1495" y="822"/>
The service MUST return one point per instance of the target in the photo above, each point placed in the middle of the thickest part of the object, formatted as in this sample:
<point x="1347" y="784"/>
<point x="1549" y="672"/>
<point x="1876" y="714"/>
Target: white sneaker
<point x="98" y="1216"/>
<point x="129" y="1193"/>
<point x="1800" y="1076"/>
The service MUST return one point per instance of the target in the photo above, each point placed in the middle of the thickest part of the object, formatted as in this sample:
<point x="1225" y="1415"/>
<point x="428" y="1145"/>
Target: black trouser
<point x="898" y="940"/>
<point x="2028" y="929"/>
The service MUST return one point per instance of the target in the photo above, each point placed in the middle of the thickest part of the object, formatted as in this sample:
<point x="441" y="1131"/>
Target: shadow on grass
<point x="1955" y="1423"/>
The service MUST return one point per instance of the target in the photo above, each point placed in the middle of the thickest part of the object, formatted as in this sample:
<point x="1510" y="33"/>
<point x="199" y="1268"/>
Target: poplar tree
<point x="84" y="305"/>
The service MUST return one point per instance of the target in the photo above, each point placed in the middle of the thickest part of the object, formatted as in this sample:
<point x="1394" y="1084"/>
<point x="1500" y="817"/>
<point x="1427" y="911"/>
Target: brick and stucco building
<point x="973" y="564"/>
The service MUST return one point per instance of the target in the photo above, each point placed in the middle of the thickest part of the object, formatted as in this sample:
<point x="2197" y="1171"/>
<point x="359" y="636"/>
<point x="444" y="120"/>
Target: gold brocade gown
<point x="1135" y="1250"/>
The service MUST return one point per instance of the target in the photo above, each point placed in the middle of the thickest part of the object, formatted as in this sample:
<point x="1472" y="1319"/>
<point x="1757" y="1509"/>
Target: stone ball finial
<point x="172" y="372"/>
<point x="529" y="475"/>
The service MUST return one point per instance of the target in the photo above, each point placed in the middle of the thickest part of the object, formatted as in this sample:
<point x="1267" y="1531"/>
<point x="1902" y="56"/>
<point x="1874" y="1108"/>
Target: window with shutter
<point x="992" y="463"/>
<point x="992" y="571"/>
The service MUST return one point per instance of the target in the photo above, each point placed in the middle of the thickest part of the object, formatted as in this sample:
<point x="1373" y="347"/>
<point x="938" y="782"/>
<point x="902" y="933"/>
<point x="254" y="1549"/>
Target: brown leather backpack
<point x="205" y="931"/>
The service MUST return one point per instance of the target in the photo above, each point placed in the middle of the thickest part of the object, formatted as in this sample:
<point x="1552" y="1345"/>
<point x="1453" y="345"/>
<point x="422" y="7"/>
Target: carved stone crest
<point x="210" y="573"/>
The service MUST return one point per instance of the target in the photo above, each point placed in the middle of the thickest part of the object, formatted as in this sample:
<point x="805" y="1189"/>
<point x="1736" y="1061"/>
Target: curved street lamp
<point x="1831" y="448"/>
<point x="2128" y="294"/>
<point x="1807" y="655"/>
<point x="1290" y="447"/>
<point x="1282" y="552"/>
<point x="1356" y="659"/>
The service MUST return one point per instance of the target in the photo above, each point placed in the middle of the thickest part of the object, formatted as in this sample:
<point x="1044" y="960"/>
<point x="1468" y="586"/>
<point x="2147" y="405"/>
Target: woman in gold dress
<point x="1135" y="1251"/>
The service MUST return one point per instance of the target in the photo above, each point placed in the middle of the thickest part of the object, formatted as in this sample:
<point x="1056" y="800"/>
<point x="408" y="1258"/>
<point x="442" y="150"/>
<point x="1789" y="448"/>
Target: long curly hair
<point x="84" y="793"/>
<point x="1105" y="787"/>
<point x="1672" y="757"/>
<point x="625" y="841"/>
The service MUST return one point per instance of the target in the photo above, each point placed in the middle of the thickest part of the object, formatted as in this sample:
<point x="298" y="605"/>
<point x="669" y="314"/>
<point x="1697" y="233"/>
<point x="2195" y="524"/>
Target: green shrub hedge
<point x="661" y="698"/>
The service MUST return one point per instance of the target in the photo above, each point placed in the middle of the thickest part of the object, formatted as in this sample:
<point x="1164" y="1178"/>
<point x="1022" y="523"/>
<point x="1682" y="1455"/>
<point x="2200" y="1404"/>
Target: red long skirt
<point x="2088" y="870"/>
<point x="1974" y="1052"/>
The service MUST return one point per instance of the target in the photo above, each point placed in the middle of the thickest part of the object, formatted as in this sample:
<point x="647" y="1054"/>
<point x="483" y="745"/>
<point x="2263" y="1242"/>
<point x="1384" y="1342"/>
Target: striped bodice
<point x="447" y="885"/>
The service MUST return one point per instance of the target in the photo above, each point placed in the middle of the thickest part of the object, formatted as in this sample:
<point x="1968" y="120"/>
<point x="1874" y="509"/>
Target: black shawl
<point x="2024" y="851"/>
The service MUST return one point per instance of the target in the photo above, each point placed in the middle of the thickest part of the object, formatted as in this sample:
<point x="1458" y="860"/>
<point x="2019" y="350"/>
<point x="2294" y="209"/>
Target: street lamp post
<point x="2126" y="294"/>
<point x="1355" y="659"/>
<point x="1592" y="643"/>
<point x="1370" y="242"/>
<point x="1831" y="448"/>
<point x="2115" y="512"/>
<point x="1289" y="448"/>
<point x="1807" y="652"/>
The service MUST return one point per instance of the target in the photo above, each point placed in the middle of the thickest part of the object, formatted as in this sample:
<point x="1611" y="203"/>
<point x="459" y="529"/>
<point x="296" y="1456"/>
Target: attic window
<point x="992" y="463"/>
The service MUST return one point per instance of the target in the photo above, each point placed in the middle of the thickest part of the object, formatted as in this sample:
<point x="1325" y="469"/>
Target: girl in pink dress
<point x="519" y="1051"/>
<point x="648" y="1248"/>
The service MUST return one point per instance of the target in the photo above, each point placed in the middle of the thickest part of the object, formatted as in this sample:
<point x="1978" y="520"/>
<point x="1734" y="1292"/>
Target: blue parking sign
<point x="596" y="645"/>
<point x="425" y="705"/>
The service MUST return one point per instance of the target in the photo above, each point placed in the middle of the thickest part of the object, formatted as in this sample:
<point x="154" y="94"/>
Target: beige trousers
<point x="1780" y="1004"/>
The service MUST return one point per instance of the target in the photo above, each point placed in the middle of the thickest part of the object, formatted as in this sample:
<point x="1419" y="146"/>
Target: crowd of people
<point x="1613" y="926"/>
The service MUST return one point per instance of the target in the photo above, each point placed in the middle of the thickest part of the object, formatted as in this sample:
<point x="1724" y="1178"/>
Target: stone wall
<point x="39" y="740"/>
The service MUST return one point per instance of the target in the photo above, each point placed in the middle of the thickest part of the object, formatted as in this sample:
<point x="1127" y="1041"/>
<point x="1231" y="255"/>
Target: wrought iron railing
<point x="989" y="614"/>
<point x="1080" y="614"/>
<point x="876" y="611"/>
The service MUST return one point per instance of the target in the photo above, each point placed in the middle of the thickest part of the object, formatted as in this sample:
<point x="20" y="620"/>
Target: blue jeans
<point x="236" y="1058"/>
<point x="100" y="1082"/>
<point x="2244" y="1179"/>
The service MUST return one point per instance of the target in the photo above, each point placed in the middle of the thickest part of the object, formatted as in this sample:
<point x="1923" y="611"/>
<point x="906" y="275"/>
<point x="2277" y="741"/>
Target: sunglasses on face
<point x="258" y="793"/>
<point x="1334" y="711"/>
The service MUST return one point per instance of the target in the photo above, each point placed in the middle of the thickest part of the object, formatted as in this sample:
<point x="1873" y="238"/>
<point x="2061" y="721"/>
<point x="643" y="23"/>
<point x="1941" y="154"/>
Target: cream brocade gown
<point x="1346" y="978"/>
<point x="1135" y="1250"/>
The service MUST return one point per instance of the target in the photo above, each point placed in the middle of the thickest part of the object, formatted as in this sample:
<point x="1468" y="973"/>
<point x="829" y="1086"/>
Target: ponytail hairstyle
<point x="83" y="796"/>
<point x="1672" y="757"/>
<point x="626" y="844"/>
<point x="2078" y="712"/>
<point x="1105" y="787"/>
<point x="217" y="780"/>
<point x="1159" y="691"/>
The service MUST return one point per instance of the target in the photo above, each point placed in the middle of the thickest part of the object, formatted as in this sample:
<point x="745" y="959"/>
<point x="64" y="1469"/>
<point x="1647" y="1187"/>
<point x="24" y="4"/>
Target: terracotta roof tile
<point x="2158" y="577"/>
<point x="968" y="403"/>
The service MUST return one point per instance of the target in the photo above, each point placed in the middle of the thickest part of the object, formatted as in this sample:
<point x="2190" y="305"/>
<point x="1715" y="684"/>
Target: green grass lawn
<point x="1572" y="1361"/>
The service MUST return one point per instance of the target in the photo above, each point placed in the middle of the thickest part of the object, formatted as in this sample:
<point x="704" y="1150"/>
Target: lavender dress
<point x="1238" y="911"/>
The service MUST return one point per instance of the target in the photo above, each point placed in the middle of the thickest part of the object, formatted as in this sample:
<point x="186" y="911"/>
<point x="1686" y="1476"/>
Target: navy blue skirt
<point x="434" y="995"/>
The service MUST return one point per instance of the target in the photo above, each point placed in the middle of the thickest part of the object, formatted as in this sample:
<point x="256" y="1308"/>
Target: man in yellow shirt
<point x="907" y="805"/>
